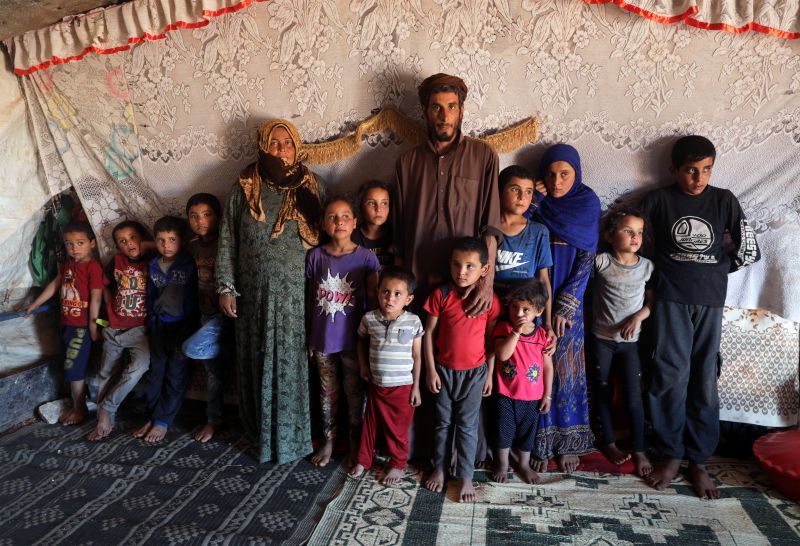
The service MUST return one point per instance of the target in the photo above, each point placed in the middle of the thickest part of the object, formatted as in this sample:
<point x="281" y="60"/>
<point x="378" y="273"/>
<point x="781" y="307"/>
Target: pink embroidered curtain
<point x="113" y="29"/>
<point x="779" y="18"/>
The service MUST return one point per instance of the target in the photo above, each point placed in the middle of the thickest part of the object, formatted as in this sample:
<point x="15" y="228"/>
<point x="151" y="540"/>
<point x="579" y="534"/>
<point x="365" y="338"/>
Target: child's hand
<point x="520" y="323"/>
<point x="551" y="341"/>
<point x="228" y="305"/>
<point x="540" y="187"/>
<point x="629" y="327"/>
<point x="544" y="404"/>
<point x="30" y="309"/>
<point x="434" y="382"/>
<point x="487" y="386"/>
<point x="364" y="373"/>
<point x="416" y="397"/>
<point x="93" y="331"/>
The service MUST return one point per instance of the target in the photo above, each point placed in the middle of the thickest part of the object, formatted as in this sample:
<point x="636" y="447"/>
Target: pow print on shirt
<point x="334" y="294"/>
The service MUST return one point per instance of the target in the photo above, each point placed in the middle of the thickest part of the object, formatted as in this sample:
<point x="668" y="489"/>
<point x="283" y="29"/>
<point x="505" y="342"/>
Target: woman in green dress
<point x="270" y="221"/>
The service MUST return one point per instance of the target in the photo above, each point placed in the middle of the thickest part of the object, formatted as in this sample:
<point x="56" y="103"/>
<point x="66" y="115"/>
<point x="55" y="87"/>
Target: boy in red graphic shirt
<point x="81" y="283"/>
<point x="126" y="302"/>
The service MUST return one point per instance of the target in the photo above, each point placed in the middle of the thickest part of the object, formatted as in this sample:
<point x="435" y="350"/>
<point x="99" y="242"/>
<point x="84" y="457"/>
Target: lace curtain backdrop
<point x="83" y="125"/>
<point x="139" y="131"/>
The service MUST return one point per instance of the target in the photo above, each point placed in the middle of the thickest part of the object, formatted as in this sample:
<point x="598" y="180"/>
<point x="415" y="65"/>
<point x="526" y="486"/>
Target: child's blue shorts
<point x="77" y="346"/>
<point x="517" y="421"/>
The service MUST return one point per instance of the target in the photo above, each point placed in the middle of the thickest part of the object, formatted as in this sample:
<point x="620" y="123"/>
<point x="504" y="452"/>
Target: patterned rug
<point x="581" y="508"/>
<point x="57" y="488"/>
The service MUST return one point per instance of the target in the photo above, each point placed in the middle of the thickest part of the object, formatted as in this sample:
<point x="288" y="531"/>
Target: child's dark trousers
<point x="684" y="401"/>
<point x="168" y="377"/>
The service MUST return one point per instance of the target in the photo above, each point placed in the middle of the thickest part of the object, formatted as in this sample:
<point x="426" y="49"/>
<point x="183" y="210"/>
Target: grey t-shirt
<point x="618" y="293"/>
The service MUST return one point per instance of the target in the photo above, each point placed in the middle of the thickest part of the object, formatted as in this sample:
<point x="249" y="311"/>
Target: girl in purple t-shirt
<point x="340" y="275"/>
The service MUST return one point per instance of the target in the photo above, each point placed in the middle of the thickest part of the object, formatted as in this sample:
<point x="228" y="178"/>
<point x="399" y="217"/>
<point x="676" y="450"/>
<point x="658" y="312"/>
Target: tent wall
<point x="139" y="131"/>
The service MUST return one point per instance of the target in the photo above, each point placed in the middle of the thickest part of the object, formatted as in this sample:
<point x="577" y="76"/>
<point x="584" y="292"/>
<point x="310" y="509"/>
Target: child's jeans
<point x="330" y="367"/>
<point x="206" y="343"/>
<point x="627" y="354"/>
<point x="169" y="371"/>
<point x="115" y="341"/>
<point x="211" y="344"/>
<point x="458" y="408"/>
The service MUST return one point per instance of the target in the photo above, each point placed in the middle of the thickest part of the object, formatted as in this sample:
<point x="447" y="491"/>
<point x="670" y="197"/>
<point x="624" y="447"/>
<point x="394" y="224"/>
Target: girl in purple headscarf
<point x="571" y="212"/>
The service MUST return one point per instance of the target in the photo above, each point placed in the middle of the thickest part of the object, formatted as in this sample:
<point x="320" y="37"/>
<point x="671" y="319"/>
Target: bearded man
<point x="446" y="188"/>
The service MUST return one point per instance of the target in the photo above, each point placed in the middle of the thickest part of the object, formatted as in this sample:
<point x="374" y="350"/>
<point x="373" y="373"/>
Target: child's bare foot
<point x="467" y="491"/>
<point x="322" y="456"/>
<point x="702" y="483"/>
<point x="75" y="415"/>
<point x="105" y="424"/>
<point x="207" y="432"/>
<point x="435" y="481"/>
<point x="527" y="474"/>
<point x="500" y="472"/>
<point x="661" y="476"/>
<point x="539" y="465"/>
<point x="615" y="454"/>
<point x="356" y="471"/>
<point x="641" y="464"/>
<point x="155" y="434"/>
<point x="142" y="431"/>
<point x="393" y="477"/>
<point x="568" y="463"/>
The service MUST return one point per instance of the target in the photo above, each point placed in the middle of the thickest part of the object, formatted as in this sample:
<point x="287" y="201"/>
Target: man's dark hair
<point x="441" y="83"/>
<point x="397" y="273"/>
<point x="513" y="171"/>
<point x="532" y="291"/>
<point x="140" y="229"/>
<point x="78" y="226"/>
<point x="204" y="199"/>
<point x="692" y="148"/>
<point x="445" y="88"/>
<point x="472" y="244"/>
<point x="170" y="223"/>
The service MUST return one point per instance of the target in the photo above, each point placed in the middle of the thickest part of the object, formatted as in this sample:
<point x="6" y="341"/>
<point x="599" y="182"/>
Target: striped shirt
<point x="390" y="347"/>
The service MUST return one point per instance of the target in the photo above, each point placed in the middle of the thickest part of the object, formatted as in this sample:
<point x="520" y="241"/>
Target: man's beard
<point x="443" y="137"/>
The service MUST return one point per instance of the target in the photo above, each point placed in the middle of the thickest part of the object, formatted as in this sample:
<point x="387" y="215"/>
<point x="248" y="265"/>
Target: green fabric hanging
<point x="47" y="248"/>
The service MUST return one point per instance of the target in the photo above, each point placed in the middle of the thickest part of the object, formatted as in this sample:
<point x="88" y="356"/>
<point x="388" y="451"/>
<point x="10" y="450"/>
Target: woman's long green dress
<point x="271" y="356"/>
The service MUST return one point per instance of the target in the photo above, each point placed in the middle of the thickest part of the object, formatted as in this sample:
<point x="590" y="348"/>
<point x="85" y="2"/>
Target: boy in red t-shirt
<point x="459" y="373"/>
<point x="126" y="303"/>
<point x="81" y="283"/>
<point x="524" y="378"/>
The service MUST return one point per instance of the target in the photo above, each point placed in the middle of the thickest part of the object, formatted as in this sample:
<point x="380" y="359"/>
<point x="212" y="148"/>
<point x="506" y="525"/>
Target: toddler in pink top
<point x="524" y="378"/>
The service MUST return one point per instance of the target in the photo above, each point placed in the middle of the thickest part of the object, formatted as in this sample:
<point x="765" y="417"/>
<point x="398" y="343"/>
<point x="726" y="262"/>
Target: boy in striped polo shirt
<point x="390" y="356"/>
